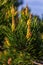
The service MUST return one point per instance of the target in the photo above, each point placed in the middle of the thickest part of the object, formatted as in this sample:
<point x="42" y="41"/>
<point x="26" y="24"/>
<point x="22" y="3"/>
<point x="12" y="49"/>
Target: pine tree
<point x="20" y="35"/>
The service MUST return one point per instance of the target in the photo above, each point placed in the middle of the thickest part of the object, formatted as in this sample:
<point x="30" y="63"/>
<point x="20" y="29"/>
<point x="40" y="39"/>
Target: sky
<point x="36" y="6"/>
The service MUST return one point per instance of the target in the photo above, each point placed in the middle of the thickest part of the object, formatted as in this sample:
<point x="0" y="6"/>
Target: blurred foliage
<point x="21" y="34"/>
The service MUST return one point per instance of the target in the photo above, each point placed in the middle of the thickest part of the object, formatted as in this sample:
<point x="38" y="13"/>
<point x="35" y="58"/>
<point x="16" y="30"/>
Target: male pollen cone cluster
<point x="13" y="12"/>
<point x="6" y="42"/>
<point x="29" y="33"/>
